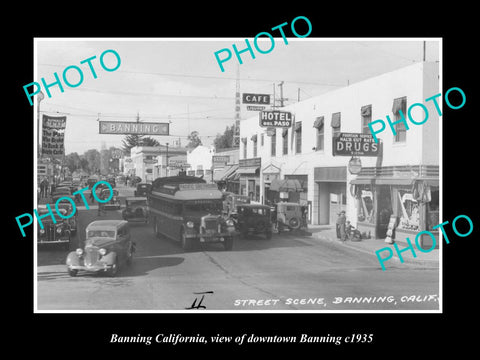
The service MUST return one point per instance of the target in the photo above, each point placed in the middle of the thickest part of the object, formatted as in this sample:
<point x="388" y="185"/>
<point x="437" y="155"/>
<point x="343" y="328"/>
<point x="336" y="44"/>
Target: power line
<point x="208" y="76"/>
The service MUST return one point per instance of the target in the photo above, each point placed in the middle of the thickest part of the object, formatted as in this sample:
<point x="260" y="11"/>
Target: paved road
<point x="285" y="273"/>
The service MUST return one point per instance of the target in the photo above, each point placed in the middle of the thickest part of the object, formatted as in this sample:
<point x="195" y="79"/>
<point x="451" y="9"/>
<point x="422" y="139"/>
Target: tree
<point x="137" y="140"/>
<point x="226" y="140"/>
<point x="194" y="140"/>
<point x="92" y="157"/>
<point x="73" y="161"/>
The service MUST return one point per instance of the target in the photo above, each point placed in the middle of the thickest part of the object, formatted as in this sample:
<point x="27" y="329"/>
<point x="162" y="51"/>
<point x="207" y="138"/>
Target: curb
<point x="425" y="263"/>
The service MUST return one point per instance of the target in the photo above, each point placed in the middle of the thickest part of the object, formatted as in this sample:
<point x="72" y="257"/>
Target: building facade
<point x="388" y="183"/>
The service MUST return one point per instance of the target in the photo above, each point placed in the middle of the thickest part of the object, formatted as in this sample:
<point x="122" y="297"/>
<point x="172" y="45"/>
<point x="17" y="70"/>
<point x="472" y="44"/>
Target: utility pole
<point x="298" y="95"/>
<point x="274" y="100"/>
<point x="424" y="50"/>
<point x="281" y="94"/>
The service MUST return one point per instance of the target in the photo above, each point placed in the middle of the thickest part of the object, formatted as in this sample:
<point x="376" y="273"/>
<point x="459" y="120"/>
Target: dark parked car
<point x="253" y="219"/>
<point x="136" y="209"/>
<point x="57" y="232"/>
<point x="68" y="209"/>
<point x="143" y="189"/>
<point x="231" y="201"/>
<point x="108" y="247"/>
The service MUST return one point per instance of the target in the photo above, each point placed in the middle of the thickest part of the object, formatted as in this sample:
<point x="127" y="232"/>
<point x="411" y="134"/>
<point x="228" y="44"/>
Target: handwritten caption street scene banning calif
<point x="176" y="339"/>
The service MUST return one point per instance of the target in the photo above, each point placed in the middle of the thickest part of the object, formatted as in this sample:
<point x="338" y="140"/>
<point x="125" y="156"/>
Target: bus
<point x="187" y="209"/>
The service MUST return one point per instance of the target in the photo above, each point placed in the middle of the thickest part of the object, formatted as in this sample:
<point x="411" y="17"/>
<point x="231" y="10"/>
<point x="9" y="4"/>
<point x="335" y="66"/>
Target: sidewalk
<point x="370" y="246"/>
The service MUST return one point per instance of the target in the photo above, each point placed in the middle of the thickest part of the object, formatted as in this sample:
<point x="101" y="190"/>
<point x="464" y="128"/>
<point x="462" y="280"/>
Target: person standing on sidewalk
<point x="341" y="226"/>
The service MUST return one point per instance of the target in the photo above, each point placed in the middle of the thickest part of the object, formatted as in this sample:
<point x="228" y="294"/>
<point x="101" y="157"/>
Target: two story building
<point x="402" y="180"/>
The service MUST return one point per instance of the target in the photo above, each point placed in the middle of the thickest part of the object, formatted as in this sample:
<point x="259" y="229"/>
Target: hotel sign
<point x="275" y="118"/>
<point x="354" y="144"/>
<point x="133" y="128"/>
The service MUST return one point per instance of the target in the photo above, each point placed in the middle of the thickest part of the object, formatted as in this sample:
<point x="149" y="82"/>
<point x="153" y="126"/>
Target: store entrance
<point x="384" y="206"/>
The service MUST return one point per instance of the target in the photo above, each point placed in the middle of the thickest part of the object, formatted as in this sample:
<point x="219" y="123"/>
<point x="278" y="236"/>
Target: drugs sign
<point x="275" y="118"/>
<point x="358" y="144"/>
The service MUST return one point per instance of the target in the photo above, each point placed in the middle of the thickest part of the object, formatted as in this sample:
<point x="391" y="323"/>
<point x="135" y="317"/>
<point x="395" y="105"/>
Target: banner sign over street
<point x="354" y="144"/>
<point x="136" y="128"/>
<point x="275" y="118"/>
<point x="53" y="135"/>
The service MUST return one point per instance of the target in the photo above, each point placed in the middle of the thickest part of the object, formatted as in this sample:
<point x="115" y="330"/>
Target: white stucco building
<point x="304" y="152"/>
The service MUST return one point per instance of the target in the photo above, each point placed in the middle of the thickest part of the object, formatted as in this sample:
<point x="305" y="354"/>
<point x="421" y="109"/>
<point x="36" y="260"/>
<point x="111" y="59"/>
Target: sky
<point x="178" y="80"/>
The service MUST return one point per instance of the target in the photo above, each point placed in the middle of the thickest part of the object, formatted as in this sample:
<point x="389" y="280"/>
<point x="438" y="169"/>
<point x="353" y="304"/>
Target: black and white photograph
<point x="273" y="174"/>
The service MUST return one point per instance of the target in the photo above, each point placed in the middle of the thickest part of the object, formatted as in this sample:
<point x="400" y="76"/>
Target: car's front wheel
<point x="72" y="272"/>
<point x="112" y="272"/>
<point x="187" y="243"/>
<point x="228" y="243"/>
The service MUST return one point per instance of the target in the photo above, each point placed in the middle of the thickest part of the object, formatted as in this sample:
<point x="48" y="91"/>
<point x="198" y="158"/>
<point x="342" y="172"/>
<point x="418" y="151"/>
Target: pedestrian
<point x="42" y="189"/>
<point x="341" y="225"/>
<point x="101" y="208"/>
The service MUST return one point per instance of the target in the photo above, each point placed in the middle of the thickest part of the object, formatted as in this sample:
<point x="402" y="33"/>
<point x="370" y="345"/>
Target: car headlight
<point x="59" y="230"/>
<point x="229" y="222"/>
<point x="102" y="252"/>
<point x="190" y="224"/>
<point x="42" y="231"/>
<point x="79" y="252"/>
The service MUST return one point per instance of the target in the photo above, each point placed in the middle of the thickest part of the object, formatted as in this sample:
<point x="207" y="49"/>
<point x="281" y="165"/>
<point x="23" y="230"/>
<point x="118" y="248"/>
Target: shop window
<point x="407" y="209"/>
<point x="366" y="210"/>
<point x="273" y="144"/>
<point x="366" y="115"/>
<point x="433" y="210"/>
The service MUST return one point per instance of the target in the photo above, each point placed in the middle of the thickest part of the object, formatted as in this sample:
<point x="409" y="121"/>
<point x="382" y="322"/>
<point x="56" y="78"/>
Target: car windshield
<point x="101" y="233"/>
<point x="204" y="206"/>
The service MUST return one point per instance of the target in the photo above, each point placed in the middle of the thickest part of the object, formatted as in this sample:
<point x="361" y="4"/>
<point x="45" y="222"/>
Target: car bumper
<point x="91" y="268"/>
<point x="57" y="241"/>
<point x="213" y="237"/>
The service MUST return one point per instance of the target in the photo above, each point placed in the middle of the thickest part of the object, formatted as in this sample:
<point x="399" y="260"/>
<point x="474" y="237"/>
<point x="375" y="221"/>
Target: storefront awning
<point x="224" y="173"/>
<point x="247" y="170"/>
<point x="286" y="185"/>
<point x="393" y="181"/>
<point x="361" y="181"/>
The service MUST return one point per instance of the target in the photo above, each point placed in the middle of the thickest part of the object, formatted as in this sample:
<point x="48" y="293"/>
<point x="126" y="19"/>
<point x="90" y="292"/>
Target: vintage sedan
<point x="61" y="191"/>
<point x="114" y="202"/>
<point x="290" y="216"/>
<point x="67" y="211"/>
<point x="143" y="189"/>
<point x="108" y="247"/>
<point x="136" y="209"/>
<point x="54" y="232"/>
<point x="253" y="219"/>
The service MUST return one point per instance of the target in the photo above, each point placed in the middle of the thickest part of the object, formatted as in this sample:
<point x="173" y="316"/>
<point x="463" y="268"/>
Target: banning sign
<point x="275" y="118"/>
<point x="53" y="136"/>
<point x="350" y="144"/>
<point x="137" y="128"/>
